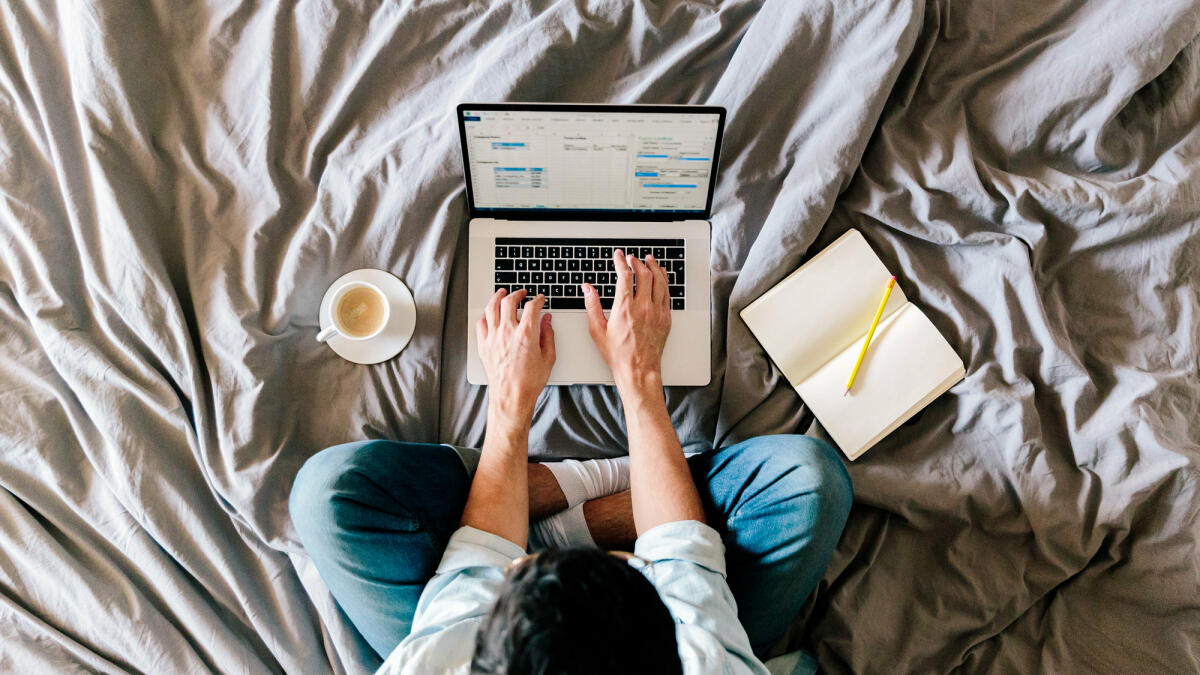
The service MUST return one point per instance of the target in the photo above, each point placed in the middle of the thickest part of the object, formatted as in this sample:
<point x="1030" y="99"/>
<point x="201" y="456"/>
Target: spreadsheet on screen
<point x="551" y="159"/>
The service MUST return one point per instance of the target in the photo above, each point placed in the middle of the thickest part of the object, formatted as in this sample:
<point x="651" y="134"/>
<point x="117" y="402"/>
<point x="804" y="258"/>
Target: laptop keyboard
<point x="556" y="267"/>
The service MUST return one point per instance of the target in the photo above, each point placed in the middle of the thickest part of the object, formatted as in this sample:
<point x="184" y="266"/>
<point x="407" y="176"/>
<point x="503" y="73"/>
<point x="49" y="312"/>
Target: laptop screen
<point x="522" y="160"/>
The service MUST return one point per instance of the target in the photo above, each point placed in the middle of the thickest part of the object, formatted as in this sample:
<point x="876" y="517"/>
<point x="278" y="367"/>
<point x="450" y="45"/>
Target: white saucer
<point x="395" y="335"/>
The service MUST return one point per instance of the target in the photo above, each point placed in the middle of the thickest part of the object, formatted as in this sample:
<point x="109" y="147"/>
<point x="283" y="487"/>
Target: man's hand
<point x="631" y="339"/>
<point x="517" y="354"/>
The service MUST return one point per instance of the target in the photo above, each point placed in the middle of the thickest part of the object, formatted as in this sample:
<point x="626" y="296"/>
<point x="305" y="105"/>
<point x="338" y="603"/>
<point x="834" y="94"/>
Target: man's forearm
<point x="661" y="483"/>
<point x="498" y="501"/>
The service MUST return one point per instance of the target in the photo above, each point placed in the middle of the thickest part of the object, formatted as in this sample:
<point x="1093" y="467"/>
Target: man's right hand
<point x="632" y="338"/>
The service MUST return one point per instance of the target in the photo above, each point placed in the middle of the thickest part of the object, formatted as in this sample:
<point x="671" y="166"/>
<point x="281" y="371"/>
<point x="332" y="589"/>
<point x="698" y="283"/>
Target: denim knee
<point x="798" y="466"/>
<point x="311" y="504"/>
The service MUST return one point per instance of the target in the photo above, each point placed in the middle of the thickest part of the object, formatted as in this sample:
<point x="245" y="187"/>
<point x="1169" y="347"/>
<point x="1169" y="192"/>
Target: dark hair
<point x="577" y="611"/>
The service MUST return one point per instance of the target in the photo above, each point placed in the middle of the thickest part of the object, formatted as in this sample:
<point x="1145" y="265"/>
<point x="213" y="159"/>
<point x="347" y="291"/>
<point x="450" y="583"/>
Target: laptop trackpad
<point x="578" y="361"/>
<point x="685" y="358"/>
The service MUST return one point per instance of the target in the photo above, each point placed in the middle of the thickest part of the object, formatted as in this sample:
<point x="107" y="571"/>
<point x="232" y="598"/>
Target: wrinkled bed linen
<point x="180" y="182"/>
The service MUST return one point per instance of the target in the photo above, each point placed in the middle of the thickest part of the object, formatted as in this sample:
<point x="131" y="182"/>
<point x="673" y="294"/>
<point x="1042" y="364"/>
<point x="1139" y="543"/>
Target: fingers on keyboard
<point x="556" y="268"/>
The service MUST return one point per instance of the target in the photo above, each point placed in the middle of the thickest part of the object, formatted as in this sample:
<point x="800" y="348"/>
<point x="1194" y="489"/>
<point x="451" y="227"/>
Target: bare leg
<point x="545" y="497"/>
<point x="610" y="521"/>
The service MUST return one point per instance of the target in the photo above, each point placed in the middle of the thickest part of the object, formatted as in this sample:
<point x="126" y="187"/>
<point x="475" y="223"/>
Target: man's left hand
<point x="517" y="354"/>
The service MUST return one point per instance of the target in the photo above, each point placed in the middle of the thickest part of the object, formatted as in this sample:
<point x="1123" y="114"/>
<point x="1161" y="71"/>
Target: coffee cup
<point x="359" y="310"/>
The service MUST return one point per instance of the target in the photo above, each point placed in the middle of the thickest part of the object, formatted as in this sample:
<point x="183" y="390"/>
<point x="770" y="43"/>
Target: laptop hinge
<point x="673" y="222"/>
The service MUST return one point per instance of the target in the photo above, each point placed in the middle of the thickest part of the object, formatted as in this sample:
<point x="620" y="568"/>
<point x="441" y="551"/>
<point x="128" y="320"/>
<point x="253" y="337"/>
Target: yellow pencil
<point x="887" y="292"/>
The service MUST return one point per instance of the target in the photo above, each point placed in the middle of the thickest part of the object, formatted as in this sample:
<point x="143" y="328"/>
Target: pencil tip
<point x="847" y="392"/>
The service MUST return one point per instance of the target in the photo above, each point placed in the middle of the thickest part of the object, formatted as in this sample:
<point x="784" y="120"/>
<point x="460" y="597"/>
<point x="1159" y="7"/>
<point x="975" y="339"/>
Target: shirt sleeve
<point x="454" y="603"/>
<point x="689" y="572"/>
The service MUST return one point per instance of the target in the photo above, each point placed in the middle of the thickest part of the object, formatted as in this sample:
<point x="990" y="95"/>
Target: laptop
<point x="554" y="188"/>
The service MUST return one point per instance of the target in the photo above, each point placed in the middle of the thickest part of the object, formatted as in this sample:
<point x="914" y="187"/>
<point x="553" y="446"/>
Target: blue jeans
<point x="375" y="516"/>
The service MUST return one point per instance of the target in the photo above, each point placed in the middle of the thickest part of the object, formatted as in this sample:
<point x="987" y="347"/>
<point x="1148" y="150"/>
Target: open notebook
<point x="812" y="325"/>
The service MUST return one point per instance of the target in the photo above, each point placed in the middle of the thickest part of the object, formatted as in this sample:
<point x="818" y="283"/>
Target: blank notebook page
<point x="825" y="305"/>
<point x="907" y="365"/>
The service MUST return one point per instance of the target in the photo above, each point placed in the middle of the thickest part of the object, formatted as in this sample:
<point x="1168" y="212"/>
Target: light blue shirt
<point x="689" y="573"/>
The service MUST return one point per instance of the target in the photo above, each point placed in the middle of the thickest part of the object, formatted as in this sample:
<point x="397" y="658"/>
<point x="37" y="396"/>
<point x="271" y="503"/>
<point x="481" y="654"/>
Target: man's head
<point x="577" y="611"/>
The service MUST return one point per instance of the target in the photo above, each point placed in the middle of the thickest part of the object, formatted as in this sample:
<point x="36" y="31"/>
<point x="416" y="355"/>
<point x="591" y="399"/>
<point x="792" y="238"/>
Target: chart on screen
<point x="555" y="159"/>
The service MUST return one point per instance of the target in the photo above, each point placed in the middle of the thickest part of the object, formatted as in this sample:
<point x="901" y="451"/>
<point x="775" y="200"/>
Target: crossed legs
<point x="780" y="503"/>
<point x="375" y="516"/>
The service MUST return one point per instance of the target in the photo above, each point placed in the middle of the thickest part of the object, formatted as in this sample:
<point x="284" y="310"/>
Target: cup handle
<point x="327" y="333"/>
